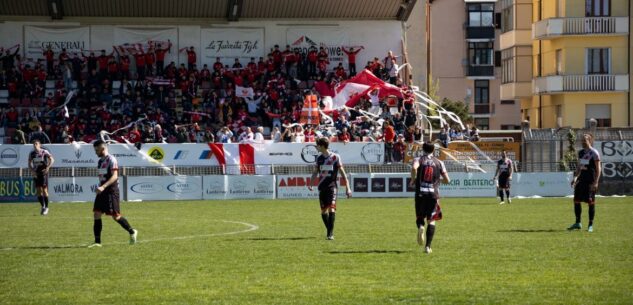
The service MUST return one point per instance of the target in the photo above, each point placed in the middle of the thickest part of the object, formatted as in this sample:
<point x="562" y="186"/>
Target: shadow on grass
<point x="369" y="252"/>
<point x="44" y="247"/>
<point x="280" y="238"/>
<point x="532" y="231"/>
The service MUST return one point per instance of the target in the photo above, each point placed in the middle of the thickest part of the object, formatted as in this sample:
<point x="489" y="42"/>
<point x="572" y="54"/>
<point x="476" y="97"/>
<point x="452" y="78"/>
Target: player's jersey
<point x="586" y="158"/>
<point x="328" y="170"/>
<point x="504" y="167"/>
<point x="40" y="160"/>
<point x="106" y="167"/>
<point x="427" y="182"/>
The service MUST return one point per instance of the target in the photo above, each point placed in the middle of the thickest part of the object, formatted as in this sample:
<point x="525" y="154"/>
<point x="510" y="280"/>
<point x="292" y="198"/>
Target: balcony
<point x="582" y="26"/>
<point x="481" y="72"/>
<point x="511" y="91"/>
<point x="581" y="83"/>
<point x="480" y="33"/>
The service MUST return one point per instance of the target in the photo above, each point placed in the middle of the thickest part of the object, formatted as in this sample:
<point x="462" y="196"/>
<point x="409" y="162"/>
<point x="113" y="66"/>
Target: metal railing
<point x="298" y="169"/>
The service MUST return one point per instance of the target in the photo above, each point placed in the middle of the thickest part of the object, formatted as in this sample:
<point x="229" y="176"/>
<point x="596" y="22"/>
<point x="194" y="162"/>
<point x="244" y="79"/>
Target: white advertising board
<point x="296" y="187"/>
<point x="73" y="39"/>
<point x="231" y="43"/>
<point x="164" y="188"/>
<point x="238" y="187"/>
<point x="76" y="189"/>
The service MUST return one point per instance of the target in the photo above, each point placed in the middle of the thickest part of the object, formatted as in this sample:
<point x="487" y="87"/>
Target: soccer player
<point x="40" y="162"/>
<point x="425" y="177"/>
<point x="504" y="173"/>
<point x="585" y="182"/>
<point x="328" y="165"/>
<point x="107" y="199"/>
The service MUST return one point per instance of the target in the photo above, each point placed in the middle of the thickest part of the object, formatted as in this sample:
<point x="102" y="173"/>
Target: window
<point x="481" y="14"/>
<point x="599" y="112"/>
<point x="482" y="123"/>
<point x="597" y="8"/>
<point x="507" y="19"/>
<point x="481" y="92"/>
<point x="598" y="61"/>
<point x="559" y="62"/>
<point x="480" y="53"/>
<point x="507" y="66"/>
<point x="507" y="102"/>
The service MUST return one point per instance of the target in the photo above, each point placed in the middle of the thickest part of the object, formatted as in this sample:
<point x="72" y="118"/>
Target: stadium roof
<point x="230" y="10"/>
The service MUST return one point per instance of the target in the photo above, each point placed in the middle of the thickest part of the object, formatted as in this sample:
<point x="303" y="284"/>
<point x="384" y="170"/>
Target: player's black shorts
<point x="41" y="180"/>
<point x="108" y="202"/>
<point x="504" y="181"/>
<point x="583" y="193"/>
<point x="427" y="207"/>
<point x="327" y="198"/>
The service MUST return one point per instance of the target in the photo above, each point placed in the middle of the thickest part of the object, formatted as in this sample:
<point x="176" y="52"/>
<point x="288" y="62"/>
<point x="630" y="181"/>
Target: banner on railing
<point x="161" y="155"/>
<point x="296" y="187"/>
<point x="238" y="187"/>
<point x="617" y="159"/>
<point x="480" y="151"/>
<point x="231" y="43"/>
<point x="38" y="39"/>
<point x="17" y="190"/>
<point x="164" y="188"/>
<point x="76" y="189"/>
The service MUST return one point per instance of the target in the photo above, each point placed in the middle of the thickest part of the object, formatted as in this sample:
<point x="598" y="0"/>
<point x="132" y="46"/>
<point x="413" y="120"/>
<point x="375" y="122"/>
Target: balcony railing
<point x="480" y="32"/>
<point x="485" y="71"/>
<point x="581" y="83"/>
<point x="482" y="108"/>
<point x="554" y="27"/>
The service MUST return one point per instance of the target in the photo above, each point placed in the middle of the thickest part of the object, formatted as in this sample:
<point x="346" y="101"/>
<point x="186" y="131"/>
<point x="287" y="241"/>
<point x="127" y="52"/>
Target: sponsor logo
<point x="181" y="155"/>
<point x="215" y="187"/>
<point x="183" y="187"/>
<point x="124" y="155"/>
<point x="245" y="46"/>
<point x="80" y="161"/>
<point x="300" y="181"/>
<point x="10" y="189"/>
<point x="239" y="187"/>
<point x="309" y="153"/>
<point x="146" y="188"/>
<point x="156" y="153"/>
<point x="9" y="156"/>
<point x="78" y="153"/>
<point x="360" y="185"/>
<point x="68" y="189"/>
<point x="206" y="155"/>
<point x="395" y="185"/>
<point x="378" y="185"/>
<point x="280" y="154"/>
<point x="409" y="187"/>
<point x="263" y="187"/>
<point x="373" y="152"/>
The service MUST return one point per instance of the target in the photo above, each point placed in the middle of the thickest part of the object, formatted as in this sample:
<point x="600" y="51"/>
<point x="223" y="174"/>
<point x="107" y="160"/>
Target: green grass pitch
<point x="275" y="252"/>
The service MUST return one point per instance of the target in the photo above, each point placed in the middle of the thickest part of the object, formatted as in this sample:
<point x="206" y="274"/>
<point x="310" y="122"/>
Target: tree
<point x="458" y="107"/>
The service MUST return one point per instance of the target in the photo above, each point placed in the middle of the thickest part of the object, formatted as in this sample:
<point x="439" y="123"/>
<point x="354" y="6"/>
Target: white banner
<point x="306" y="153"/>
<point x="617" y="159"/>
<point x="143" y="36"/>
<point x="333" y="39"/>
<point x="164" y="188"/>
<point x="464" y="185"/>
<point x="76" y="189"/>
<point x="231" y="43"/>
<point x="296" y="186"/>
<point x="238" y="187"/>
<point x="37" y="39"/>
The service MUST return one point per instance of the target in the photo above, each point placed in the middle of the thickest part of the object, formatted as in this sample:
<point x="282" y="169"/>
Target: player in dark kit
<point x="107" y="199"/>
<point x="425" y="177"/>
<point x="40" y="162"/>
<point x="504" y="173"/>
<point x="585" y="182"/>
<point x="328" y="165"/>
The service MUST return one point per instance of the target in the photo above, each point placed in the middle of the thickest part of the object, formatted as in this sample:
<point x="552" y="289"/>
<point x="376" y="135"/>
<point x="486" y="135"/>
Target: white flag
<point x="244" y="92"/>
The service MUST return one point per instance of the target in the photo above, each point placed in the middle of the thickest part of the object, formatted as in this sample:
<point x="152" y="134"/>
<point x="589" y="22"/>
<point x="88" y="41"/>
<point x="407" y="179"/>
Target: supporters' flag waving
<point x="349" y="92"/>
<point x="310" y="112"/>
<point x="244" y="92"/>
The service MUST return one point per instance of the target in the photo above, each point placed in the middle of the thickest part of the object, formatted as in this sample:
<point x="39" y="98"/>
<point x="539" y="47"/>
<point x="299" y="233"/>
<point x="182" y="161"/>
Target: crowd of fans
<point x="158" y="101"/>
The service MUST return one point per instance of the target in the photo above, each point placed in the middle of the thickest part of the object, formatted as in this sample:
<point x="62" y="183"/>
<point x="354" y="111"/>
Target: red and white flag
<point x="244" y="92"/>
<point x="349" y="92"/>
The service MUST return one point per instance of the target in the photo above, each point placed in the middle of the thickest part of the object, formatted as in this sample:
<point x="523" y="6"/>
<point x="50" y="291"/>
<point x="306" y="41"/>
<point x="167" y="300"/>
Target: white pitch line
<point x="250" y="227"/>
